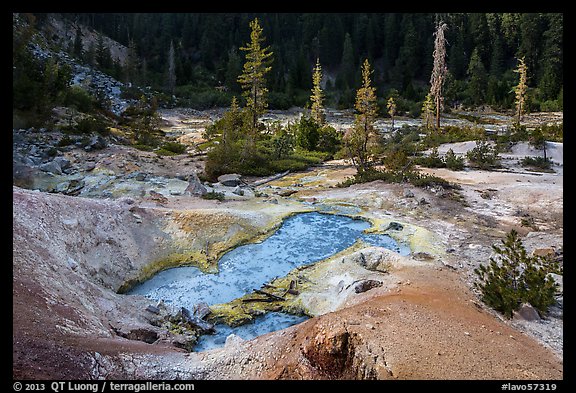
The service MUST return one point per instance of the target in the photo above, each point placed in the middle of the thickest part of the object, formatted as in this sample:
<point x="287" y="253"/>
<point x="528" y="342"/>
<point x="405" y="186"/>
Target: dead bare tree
<point x="440" y="70"/>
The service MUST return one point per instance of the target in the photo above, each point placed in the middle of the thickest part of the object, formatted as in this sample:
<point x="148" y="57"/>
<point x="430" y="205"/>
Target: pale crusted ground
<point x="71" y="255"/>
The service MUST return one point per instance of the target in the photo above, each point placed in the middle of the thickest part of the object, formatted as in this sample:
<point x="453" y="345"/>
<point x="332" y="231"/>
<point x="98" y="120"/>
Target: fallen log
<point x="254" y="299"/>
<point x="270" y="295"/>
<point x="269" y="179"/>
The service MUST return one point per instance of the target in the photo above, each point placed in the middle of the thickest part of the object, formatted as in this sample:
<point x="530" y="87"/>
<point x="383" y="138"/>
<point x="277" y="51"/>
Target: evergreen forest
<point x="202" y="50"/>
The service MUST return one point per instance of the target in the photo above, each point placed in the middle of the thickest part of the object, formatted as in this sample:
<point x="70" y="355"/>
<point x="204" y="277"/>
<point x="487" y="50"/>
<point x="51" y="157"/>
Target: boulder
<point x="63" y="162"/>
<point x="52" y="167"/>
<point x="196" y="322"/>
<point x="195" y="187"/>
<point x="201" y="310"/>
<point x="526" y="313"/>
<point x="230" y="180"/>
<point x="96" y="143"/>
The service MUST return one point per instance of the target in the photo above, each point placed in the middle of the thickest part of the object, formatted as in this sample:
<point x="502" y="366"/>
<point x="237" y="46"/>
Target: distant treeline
<point x="482" y="53"/>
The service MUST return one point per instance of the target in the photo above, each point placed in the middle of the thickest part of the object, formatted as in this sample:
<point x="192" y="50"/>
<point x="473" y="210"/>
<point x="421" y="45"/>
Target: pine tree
<point x="357" y="138"/>
<point x="478" y="80"/>
<point x="131" y="68"/>
<point x="253" y="78"/>
<point x="317" y="95"/>
<point x="427" y="111"/>
<point x="233" y="69"/>
<point x="514" y="277"/>
<point x="440" y="70"/>
<point x="347" y="65"/>
<point x="103" y="55"/>
<point x="77" y="49"/>
<point x="520" y="90"/>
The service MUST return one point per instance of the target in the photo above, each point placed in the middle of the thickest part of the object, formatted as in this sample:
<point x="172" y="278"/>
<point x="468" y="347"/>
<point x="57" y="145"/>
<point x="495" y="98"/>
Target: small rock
<point x="423" y="201"/>
<point x="140" y="176"/>
<point x="126" y="200"/>
<point x="157" y="197"/>
<point x="408" y="193"/>
<point x="422" y="256"/>
<point x="74" y="187"/>
<point x="394" y="226"/>
<point x="72" y="264"/>
<point x="62" y="187"/>
<point x="233" y="340"/>
<point x="287" y="193"/>
<point x="70" y="222"/>
<point x="543" y="252"/>
<point x="366" y="285"/>
<point x="238" y="191"/>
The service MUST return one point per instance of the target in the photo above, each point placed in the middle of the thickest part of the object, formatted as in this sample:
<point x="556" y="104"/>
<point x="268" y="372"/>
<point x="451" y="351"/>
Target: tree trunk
<point x="438" y="114"/>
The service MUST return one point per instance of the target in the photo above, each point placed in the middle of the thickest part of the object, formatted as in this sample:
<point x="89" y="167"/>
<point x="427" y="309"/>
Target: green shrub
<point x="483" y="156"/>
<point x="536" y="162"/>
<point x="214" y="195"/>
<point x="396" y="176"/>
<point x="174" y="147"/>
<point x="451" y="134"/>
<point x="513" y="278"/>
<point x="551" y="106"/>
<point x="552" y="132"/>
<point x="433" y="160"/>
<point x="307" y="133"/>
<point x="283" y="143"/>
<point x="453" y="162"/>
<point x="329" y="140"/>
<point x="80" y="99"/>
<point x="65" y="141"/>
<point x="88" y="125"/>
